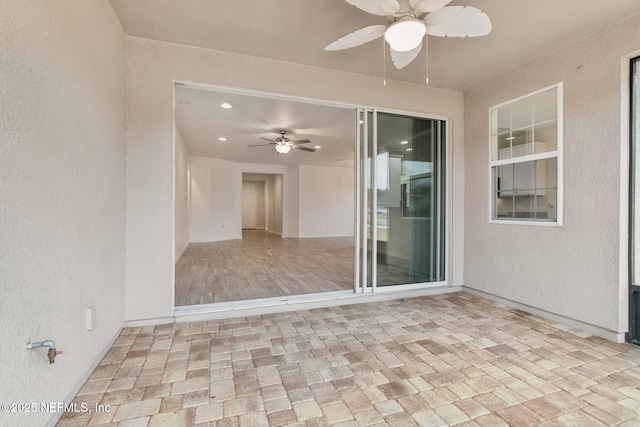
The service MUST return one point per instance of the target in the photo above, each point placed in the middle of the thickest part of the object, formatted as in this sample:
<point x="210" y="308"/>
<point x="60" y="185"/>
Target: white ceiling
<point x="298" y="30"/>
<point x="201" y="121"/>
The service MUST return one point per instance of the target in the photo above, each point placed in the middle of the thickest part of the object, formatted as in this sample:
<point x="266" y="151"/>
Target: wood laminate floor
<point x="262" y="265"/>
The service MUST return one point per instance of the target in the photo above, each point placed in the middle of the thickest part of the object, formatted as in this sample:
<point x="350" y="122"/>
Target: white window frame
<point x="557" y="154"/>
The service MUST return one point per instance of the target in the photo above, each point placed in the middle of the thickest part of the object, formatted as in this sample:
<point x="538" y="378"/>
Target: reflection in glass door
<point x="410" y="192"/>
<point x="403" y="200"/>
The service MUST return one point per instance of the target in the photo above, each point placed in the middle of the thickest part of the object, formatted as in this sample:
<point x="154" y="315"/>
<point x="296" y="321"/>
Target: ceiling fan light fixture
<point x="405" y="34"/>
<point x="282" y="148"/>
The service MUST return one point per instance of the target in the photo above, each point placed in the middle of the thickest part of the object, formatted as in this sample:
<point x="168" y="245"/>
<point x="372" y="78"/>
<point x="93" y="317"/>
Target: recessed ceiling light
<point x="222" y="138"/>
<point x="317" y="147"/>
<point x="404" y="142"/>
<point x="361" y="122"/>
<point x="225" y="105"/>
<point x="511" y="138"/>
<point x="409" y="149"/>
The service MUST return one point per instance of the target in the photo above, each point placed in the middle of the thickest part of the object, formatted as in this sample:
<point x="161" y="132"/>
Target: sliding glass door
<point x="402" y="239"/>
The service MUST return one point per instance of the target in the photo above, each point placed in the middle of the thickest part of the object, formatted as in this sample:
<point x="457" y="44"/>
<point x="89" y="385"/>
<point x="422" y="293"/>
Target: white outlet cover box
<point x="90" y="318"/>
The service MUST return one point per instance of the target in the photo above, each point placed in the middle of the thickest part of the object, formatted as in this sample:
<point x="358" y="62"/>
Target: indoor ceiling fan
<point x="409" y="21"/>
<point x="284" y="144"/>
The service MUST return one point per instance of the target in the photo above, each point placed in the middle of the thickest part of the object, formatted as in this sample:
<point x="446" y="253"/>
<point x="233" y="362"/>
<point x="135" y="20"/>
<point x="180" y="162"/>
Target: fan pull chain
<point x="384" y="62"/>
<point x="426" y="56"/>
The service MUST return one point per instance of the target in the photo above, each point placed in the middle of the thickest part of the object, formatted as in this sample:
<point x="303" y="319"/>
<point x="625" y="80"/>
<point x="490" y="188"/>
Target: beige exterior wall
<point x="578" y="271"/>
<point x="152" y="69"/>
<point x="62" y="203"/>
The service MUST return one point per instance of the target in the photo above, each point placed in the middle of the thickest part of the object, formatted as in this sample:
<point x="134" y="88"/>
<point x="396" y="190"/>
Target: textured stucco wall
<point x="152" y="66"/>
<point x="578" y="270"/>
<point x="62" y="187"/>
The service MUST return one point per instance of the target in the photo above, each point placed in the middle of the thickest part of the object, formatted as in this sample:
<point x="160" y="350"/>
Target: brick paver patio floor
<point x="452" y="359"/>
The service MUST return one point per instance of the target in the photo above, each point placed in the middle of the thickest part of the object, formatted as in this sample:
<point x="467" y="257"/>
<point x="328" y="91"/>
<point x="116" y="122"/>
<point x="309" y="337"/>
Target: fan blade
<point x="267" y="139"/>
<point x="357" y="38"/>
<point x="301" y="141"/>
<point x="376" y="7"/>
<point x="389" y="7"/>
<point x="426" y="6"/>
<point x="458" y="21"/>
<point x="304" y="148"/>
<point x="261" y="145"/>
<point x="402" y="59"/>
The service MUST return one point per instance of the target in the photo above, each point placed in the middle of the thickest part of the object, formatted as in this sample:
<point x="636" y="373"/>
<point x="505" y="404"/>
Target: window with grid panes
<point x="526" y="158"/>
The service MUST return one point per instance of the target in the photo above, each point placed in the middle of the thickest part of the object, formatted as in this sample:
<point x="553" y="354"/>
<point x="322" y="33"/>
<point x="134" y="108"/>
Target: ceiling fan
<point x="409" y="21"/>
<point x="284" y="144"/>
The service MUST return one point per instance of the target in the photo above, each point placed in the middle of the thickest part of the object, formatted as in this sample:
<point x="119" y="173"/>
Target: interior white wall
<point x="216" y="197"/>
<point x="154" y="66"/>
<point x="326" y="198"/>
<point x="216" y="200"/>
<point x="319" y="200"/>
<point x="277" y="204"/>
<point x="62" y="181"/>
<point x="291" y="194"/>
<point x="577" y="271"/>
<point x="182" y="178"/>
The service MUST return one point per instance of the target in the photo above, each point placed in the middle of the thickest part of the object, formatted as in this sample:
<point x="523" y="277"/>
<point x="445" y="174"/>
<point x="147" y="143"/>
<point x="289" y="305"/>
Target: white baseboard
<point x="618" y="337"/>
<point x="148" y="322"/>
<point x="56" y="417"/>
<point x="238" y="237"/>
<point x="324" y="236"/>
<point x="181" y="251"/>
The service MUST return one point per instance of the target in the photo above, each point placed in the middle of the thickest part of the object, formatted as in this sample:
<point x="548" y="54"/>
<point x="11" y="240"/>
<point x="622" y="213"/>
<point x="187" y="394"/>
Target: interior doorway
<point x="262" y="202"/>
<point x="250" y="202"/>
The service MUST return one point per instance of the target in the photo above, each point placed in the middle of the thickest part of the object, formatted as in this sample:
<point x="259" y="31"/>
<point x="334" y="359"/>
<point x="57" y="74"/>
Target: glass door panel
<point x="409" y="200"/>
<point x="634" y="205"/>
